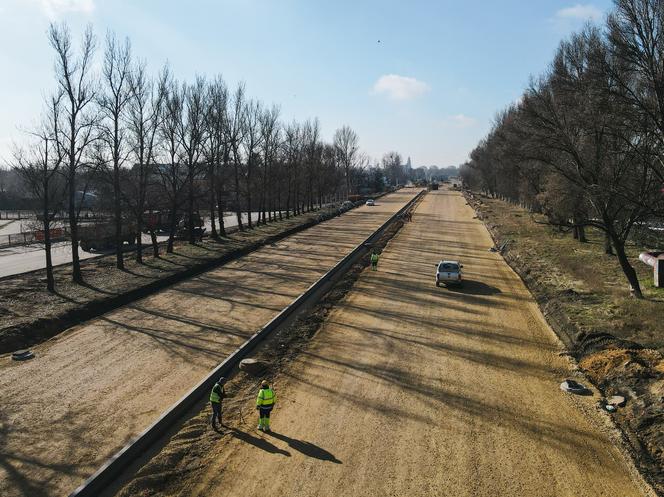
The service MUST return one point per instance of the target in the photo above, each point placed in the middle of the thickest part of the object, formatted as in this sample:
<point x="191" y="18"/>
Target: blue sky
<point x="429" y="89"/>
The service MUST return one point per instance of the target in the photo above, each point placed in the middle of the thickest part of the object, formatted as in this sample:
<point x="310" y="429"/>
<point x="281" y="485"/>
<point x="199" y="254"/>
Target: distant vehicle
<point x="347" y="205"/>
<point x="101" y="236"/>
<point x="448" y="273"/>
<point x="157" y="221"/>
<point x="183" y="227"/>
<point x="434" y="186"/>
<point x="160" y="222"/>
<point x="370" y="202"/>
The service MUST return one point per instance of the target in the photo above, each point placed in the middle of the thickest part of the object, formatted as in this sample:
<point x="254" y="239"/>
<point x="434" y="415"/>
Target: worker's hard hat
<point x="265" y="384"/>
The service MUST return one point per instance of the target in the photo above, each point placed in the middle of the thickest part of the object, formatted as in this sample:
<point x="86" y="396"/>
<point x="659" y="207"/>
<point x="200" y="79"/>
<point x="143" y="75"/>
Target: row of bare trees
<point x="146" y="144"/>
<point x="584" y="145"/>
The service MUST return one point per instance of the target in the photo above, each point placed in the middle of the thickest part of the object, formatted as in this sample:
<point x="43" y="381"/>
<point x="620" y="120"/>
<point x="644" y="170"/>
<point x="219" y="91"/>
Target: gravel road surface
<point x="413" y="390"/>
<point x="94" y="387"/>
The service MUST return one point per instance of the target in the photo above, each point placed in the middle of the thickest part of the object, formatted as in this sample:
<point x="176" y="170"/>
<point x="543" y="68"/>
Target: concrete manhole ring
<point x="252" y="366"/>
<point x="22" y="355"/>
<point x="573" y="386"/>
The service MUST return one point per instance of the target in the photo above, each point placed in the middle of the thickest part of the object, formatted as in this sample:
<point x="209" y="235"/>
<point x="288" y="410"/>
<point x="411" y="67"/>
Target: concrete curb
<point x="114" y="466"/>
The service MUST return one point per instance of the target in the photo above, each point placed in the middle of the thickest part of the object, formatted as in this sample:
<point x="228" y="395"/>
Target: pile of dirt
<point x="607" y="333"/>
<point x="637" y="375"/>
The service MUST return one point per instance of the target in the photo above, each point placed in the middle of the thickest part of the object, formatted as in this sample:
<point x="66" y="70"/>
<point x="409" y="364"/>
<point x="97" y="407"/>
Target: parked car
<point x="449" y="273"/>
<point x="347" y="205"/>
<point x="370" y="202"/>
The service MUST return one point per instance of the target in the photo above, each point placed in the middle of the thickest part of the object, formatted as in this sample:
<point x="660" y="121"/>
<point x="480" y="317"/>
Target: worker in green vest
<point x="374" y="260"/>
<point x="264" y="403"/>
<point x="216" y="396"/>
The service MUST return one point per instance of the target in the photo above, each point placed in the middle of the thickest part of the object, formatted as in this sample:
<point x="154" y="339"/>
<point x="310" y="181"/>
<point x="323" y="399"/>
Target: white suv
<point x="448" y="273"/>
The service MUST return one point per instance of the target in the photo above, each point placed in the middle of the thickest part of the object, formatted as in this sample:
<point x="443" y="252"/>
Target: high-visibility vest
<point x="217" y="392"/>
<point x="266" y="397"/>
<point x="374" y="257"/>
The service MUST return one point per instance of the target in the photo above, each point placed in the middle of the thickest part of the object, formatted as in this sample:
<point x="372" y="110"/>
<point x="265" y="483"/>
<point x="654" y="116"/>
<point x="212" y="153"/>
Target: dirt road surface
<point x="413" y="390"/>
<point x="94" y="387"/>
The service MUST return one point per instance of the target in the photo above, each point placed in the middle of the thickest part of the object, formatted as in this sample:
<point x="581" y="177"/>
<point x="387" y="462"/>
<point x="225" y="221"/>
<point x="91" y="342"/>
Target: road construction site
<point x="409" y="389"/>
<point x="96" y="386"/>
<point x="406" y="389"/>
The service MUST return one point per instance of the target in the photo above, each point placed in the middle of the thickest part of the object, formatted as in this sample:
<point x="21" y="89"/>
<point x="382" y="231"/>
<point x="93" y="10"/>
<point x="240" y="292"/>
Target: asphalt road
<point x="21" y="259"/>
<point x="94" y="387"/>
<point x="413" y="390"/>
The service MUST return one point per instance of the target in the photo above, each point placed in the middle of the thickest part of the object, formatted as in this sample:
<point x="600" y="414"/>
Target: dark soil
<point x="617" y="340"/>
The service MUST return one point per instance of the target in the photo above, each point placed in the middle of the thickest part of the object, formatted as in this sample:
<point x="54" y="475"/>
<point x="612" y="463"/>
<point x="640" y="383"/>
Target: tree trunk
<point x="190" y="205"/>
<point x="238" y="207"/>
<point x="627" y="268"/>
<point x="582" y="235"/>
<point x="288" y="199"/>
<point x="608" y="249"/>
<point x="73" y="230"/>
<point x="249" y="221"/>
<point x="119" y="255"/>
<point x="213" y="206"/>
<point x="220" y="207"/>
<point x="50" y="283"/>
<point x="139" y="238"/>
<point x="155" y="245"/>
<point x="171" y="230"/>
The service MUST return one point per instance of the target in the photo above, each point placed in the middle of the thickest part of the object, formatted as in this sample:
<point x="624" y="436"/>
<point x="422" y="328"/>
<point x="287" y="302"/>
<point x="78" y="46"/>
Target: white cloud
<point x="461" y="121"/>
<point x="56" y="8"/>
<point x="399" y="87"/>
<point x="581" y="12"/>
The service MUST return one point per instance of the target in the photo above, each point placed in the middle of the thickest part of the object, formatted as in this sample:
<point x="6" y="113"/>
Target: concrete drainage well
<point x="252" y="366"/>
<point x="614" y="402"/>
<point x="573" y="386"/>
<point x="22" y="355"/>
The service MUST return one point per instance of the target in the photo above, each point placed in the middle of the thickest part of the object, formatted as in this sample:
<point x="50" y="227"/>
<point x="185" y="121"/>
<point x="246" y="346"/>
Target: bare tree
<point x="292" y="146"/>
<point x="215" y="149"/>
<point x="172" y="174"/>
<point x="251" y="145"/>
<point x="73" y="138"/>
<point x="392" y="164"/>
<point x="636" y="64"/>
<point x="346" y="144"/>
<point x="577" y="126"/>
<point x="38" y="165"/>
<point x="270" y="138"/>
<point x="234" y="135"/>
<point x="144" y="117"/>
<point x="113" y="100"/>
<point x="312" y="158"/>
<point x="191" y="135"/>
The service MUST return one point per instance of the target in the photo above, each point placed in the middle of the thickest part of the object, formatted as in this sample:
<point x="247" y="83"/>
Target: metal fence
<point x="9" y="215"/>
<point x="27" y="237"/>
